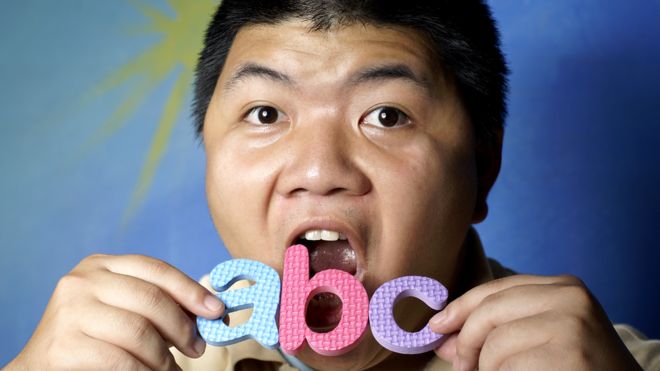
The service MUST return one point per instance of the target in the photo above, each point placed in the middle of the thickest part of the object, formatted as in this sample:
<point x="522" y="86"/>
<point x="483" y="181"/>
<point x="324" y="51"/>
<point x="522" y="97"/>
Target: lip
<point x="331" y="224"/>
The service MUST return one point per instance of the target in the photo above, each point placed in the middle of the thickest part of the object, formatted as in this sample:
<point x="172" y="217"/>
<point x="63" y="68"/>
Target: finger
<point x="452" y="317"/>
<point x="503" y="307"/>
<point x="129" y="331"/>
<point x="514" y="337"/>
<point x="185" y="291"/>
<point x="447" y="350"/>
<point x="92" y="354"/>
<point x="154" y="304"/>
<point x="551" y="356"/>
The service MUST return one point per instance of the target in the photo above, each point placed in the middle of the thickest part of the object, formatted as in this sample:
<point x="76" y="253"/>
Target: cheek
<point x="236" y="189"/>
<point x="429" y="177"/>
<point x="427" y="200"/>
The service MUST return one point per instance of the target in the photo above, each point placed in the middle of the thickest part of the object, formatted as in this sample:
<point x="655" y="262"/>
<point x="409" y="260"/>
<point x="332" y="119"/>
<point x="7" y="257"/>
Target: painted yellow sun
<point x="180" y="32"/>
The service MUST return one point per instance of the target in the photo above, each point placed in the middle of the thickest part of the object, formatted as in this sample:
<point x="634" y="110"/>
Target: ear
<point x="489" y="160"/>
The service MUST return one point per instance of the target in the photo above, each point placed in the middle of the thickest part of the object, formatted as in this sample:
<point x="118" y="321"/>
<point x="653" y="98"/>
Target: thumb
<point x="447" y="351"/>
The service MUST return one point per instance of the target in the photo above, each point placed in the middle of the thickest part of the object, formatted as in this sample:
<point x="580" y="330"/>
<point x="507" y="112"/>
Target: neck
<point x="405" y="361"/>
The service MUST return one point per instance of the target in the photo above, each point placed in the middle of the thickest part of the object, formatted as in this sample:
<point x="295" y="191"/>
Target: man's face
<point x="355" y="130"/>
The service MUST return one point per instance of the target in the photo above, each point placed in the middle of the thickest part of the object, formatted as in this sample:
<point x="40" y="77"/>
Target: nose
<point x="323" y="159"/>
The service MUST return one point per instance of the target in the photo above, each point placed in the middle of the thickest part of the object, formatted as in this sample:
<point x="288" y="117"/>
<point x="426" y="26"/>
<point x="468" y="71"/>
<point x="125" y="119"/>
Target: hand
<point x="119" y="312"/>
<point x="530" y="323"/>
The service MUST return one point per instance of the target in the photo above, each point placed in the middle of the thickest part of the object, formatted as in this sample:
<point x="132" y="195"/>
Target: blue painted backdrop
<point x="96" y="156"/>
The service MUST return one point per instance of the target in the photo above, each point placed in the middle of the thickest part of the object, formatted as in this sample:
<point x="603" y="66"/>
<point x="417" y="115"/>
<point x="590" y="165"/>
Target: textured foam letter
<point x="381" y="316"/>
<point x="298" y="289"/>
<point x="263" y="297"/>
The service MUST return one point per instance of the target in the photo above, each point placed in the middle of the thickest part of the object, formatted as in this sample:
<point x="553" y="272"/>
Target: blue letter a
<point x="263" y="297"/>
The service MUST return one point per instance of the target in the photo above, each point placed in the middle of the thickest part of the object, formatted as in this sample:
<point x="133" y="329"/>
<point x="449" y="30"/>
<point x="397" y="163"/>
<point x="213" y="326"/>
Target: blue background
<point x="578" y="192"/>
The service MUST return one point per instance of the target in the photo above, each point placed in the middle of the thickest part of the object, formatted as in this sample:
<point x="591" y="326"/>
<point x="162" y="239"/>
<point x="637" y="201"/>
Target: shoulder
<point x="646" y="351"/>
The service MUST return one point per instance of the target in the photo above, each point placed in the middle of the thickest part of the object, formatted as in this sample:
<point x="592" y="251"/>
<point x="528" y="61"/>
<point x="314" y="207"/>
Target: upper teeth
<point x="322" y="234"/>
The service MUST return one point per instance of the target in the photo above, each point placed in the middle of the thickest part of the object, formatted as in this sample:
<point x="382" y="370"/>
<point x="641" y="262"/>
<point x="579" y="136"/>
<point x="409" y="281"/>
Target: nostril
<point x="298" y="191"/>
<point x="336" y="191"/>
<point x="333" y="191"/>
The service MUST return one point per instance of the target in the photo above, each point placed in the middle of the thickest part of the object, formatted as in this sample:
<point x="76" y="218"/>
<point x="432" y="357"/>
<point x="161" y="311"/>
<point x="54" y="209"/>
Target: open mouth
<point x="327" y="250"/>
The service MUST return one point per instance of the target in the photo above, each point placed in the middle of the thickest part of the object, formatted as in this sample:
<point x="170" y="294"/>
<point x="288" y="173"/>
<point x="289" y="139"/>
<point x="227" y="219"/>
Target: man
<point x="370" y="132"/>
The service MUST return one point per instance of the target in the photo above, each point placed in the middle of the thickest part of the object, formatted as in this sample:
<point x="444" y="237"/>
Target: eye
<point x="388" y="117"/>
<point x="264" y="115"/>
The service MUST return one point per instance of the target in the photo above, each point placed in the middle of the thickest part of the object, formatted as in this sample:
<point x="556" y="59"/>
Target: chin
<point x="367" y="353"/>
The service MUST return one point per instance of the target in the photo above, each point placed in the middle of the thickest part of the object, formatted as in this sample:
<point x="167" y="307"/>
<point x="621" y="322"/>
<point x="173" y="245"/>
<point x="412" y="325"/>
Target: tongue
<point x="323" y="312"/>
<point x="324" y="309"/>
<point x="331" y="255"/>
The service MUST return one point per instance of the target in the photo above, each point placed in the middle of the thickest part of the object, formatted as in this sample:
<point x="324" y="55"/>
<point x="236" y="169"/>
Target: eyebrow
<point x="371" y="74"/>
<point x="392" y="72"/>
<point x="256" y="70"/>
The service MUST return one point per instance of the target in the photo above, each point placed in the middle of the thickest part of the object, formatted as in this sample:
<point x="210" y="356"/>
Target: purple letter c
<point x="381" y="314"/>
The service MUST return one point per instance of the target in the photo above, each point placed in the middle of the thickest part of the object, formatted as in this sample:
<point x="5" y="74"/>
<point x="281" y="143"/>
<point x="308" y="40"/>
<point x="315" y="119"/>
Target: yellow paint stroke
<point x="181" y="39"/>
<point x="159" y="142"/>
<point x="120" y="116"/>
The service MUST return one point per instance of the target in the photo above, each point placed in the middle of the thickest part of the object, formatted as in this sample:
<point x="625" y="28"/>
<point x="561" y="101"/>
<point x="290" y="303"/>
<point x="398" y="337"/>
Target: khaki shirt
<point x="477" y="269"/>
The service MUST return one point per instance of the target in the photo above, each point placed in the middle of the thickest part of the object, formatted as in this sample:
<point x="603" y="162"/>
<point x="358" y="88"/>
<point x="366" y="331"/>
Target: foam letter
<point x="381" y="315"/>
<point x="263" y="297"/>
<point x="298" y="289"/>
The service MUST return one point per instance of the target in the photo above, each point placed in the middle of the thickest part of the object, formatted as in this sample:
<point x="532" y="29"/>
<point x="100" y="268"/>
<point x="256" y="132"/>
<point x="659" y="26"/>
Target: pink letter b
<point x="297" y="290"/>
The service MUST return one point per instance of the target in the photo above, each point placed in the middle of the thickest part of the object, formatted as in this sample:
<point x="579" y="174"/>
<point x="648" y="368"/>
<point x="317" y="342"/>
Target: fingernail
<point x="212" y="303"/>
<point x="199" y="346"/>
<point x="439" y="319"/>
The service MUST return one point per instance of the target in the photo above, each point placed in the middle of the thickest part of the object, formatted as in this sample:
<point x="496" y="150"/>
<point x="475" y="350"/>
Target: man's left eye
<point x="388" y="117"/>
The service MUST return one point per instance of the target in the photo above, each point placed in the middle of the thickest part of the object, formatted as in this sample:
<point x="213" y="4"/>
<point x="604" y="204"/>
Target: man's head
<point x="357" y="117"/>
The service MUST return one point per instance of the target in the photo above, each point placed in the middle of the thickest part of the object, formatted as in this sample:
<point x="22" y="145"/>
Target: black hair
<point x="462" y="32"/>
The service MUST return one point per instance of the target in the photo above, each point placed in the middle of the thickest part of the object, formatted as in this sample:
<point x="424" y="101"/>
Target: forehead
<point x="326" y="56"/>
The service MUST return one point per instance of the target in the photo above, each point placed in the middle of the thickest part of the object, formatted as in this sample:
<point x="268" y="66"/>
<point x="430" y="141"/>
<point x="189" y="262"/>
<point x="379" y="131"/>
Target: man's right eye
<point x="265" y="115"/>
